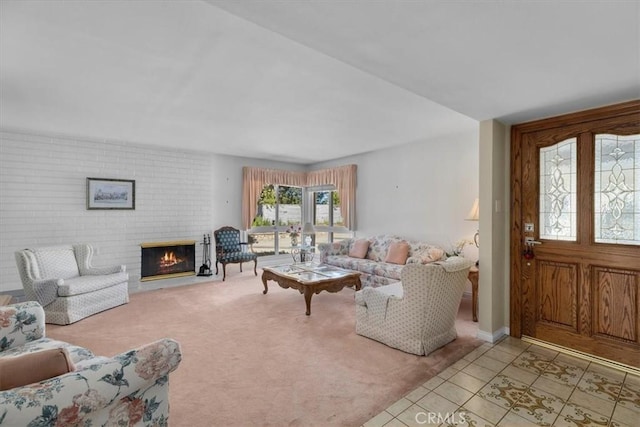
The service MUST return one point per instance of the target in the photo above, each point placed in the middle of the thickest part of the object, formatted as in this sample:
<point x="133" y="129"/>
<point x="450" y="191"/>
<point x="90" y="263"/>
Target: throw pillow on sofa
<point x="359" y="248"/>
<point x="398" y="253"/>
<point x="16" y="371"/>
<point x="427" y="255"/>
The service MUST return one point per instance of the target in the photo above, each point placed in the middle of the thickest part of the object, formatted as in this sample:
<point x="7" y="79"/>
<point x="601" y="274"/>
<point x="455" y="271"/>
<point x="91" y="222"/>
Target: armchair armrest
<point x="84" y="256"/>
<point x="376" y="301"/>
<point x="46" y="291"/>
<point x="99" y="393"/>
<point x="20" y="323"/>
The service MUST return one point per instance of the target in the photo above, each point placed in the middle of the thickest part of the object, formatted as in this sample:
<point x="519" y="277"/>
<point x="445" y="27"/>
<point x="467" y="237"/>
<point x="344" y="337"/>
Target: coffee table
<point x="311" y="278"/>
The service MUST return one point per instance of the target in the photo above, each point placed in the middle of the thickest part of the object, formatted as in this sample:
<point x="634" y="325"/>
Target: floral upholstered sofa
<point x="380" y="259"/>
<point x="128" y="389"/>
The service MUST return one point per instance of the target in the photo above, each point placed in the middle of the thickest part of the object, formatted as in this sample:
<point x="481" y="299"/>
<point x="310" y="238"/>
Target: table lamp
<point x="474" y="215"/>
<point x="308" y="230"/>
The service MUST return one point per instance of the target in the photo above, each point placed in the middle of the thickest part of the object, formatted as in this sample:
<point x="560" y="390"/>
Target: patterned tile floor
<point x="513" y="383"/>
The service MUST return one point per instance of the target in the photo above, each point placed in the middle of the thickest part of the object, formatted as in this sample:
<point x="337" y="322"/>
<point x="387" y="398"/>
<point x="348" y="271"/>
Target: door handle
<point x="528" y="241"/>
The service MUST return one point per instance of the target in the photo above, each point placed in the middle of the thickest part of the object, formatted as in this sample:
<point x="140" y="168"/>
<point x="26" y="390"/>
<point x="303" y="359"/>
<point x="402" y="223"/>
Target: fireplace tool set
<point x="205" y="268"/>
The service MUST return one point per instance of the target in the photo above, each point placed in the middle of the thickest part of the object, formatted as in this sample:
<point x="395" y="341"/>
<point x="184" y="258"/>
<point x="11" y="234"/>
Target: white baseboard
<point x="493" y="337"/>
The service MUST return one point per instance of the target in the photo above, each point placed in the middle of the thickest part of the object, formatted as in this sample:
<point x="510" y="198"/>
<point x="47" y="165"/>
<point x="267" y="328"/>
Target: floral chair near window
<point x="229" y="250"/>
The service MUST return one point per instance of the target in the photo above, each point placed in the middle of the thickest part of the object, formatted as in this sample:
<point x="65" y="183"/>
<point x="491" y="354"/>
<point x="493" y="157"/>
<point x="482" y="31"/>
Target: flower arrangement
<point x="459" y="247"/>
<point x="294" y="230"/>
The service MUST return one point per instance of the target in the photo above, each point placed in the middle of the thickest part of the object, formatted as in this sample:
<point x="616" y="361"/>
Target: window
<point x="616" y="196"/>
<point x="342" y="179"/>
<point x="558" y="171"/>
<point x="279" y="207"/>
<point x="617" y="189"/>
<point x="327" y="217"/>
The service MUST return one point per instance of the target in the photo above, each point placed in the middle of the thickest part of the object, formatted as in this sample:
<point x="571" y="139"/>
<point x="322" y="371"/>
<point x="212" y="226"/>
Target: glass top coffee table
<point x="311" y="278"/>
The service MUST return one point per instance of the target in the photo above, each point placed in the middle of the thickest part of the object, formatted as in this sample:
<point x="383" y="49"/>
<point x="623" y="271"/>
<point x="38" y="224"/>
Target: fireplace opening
<point x="168" y="259"/>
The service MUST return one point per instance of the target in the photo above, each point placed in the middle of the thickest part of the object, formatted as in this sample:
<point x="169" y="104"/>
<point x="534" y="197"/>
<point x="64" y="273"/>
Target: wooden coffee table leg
<point x="308" y="293"/>
<point x="264" y="282"/>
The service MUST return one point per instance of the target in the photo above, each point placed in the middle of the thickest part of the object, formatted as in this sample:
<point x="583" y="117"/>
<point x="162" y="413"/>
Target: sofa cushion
<point x="344" y="261"/>
<point x="379" y="247"/>
<point x="392" y="271"/>
<point x="398" y="253"/>
<point x="359" y="248"/>
<point x="57" y="262"/>
<point x="83" y="284"/>
<point x="389" y="270"/>
<point x="16" y="371"/>
<point x="426" y="255"/>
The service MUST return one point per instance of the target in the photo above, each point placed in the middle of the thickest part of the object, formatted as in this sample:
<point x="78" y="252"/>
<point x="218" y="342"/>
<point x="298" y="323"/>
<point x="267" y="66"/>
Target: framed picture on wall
<point x="105" y="193"/>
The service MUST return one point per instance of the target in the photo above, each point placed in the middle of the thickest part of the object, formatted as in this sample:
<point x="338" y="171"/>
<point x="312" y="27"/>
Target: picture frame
<point x="108" y="193"/>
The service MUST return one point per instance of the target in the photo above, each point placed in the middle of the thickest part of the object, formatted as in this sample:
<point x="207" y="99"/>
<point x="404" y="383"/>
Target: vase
<point x="294" y="240"/>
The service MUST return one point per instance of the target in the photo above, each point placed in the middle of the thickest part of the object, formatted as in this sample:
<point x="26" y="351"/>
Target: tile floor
<point x="513" y="383"/>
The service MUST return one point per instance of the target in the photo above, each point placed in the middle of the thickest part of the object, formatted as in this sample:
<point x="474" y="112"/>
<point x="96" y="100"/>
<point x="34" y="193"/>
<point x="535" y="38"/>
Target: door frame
<point x="518" y="170"/>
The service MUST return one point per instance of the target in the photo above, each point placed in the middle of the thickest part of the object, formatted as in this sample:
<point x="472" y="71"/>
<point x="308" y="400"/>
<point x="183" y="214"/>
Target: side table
<point x="5" y="299"/>
<point x="474" y="276"/>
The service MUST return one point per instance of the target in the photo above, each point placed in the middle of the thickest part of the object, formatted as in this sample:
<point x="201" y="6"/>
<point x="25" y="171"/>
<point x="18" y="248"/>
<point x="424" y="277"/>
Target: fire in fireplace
<point x="168" y="259"/>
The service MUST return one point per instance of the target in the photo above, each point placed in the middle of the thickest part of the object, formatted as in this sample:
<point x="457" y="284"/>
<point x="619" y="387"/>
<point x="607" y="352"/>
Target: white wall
<point x="179" y="195"/>
<point x="422" y="191"/>
<point x="493" y="307"/>
<point x="426" y="189"/>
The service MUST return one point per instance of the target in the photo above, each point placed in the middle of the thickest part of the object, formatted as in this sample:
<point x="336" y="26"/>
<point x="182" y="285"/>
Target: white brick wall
<point x="43" y="198"/>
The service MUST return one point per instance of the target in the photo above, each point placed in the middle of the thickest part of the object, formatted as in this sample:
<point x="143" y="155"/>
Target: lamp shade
<point x="474" y="213"/>
<point x="308" y="228"/>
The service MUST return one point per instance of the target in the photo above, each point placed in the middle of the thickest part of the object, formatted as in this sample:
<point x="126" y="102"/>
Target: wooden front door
<point x="576" y="196"/>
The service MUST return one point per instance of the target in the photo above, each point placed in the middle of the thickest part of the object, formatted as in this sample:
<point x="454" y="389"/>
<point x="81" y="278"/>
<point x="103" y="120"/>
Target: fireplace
<point x="162" y="260"/>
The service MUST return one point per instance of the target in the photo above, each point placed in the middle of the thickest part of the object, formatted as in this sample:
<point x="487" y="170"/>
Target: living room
<point x="420" y="166"/>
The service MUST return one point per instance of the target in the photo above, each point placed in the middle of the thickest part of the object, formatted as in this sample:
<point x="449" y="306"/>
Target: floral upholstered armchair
<point x="229" y="249"/>
<point x="130" y="389"/>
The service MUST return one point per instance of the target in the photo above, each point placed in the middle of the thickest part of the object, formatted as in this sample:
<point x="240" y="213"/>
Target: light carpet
<point x="253" y="359"/>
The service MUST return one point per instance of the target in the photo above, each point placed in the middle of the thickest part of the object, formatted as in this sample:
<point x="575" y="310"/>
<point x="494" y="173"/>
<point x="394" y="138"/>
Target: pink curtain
<point x="343" y="178"/>
<point x="254" y="180"/>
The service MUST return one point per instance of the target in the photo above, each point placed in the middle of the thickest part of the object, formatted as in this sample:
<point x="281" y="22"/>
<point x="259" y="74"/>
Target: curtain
<point x="343" y="178"/>
<point x="254" y="180"/>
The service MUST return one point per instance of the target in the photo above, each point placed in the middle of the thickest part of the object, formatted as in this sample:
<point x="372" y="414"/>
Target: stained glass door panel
<point x="617" y="189"/>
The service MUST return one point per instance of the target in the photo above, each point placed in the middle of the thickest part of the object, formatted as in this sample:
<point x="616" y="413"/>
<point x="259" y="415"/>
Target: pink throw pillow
<point x="17" y="371"/>
<point x="359" y="248"/>
<point x="398" y="253"/>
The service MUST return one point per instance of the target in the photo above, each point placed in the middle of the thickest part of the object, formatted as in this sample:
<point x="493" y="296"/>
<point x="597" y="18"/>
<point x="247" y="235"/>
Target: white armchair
<point x="418" y="314"/>
<point x="63" y="281"/>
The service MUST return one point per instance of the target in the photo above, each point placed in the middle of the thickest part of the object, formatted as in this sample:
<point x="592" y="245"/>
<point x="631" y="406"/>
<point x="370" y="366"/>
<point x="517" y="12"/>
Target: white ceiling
<point x="307" y="81"/>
